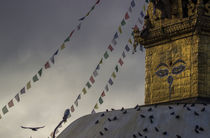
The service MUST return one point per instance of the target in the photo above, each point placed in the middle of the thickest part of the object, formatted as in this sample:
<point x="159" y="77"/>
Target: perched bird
<point x="112" y="109"/>
<point x="156" y="129"/>
<point x="142" y="116"/>
<point x="115" y="118"/>
<point x="140" y="134"/>
<point x="136" y="106"/>
<point x="96" y="122"/>
<point x="203" y="109"/>
<point x="125" y="112"/>
<point x="192" y="105"/>
<point x="101" y="133"/>
<point x="134" y="136"/>
<point x="170" y="107"/>
<point x="106" y="129"/>
<point x="145" y="130"/>
<point x="196" y="130"/>
<point x="195" y="113"/>
<point x="178" y="136"/>
<point x="177" y="116"/>
<point x="188" y="109"/>
<point x="184" y="105"/>
<point x="151" y="121"/>
<point x="102" y="115"/>
<point x="150" y="109"/>
<point x="165" y="133"/>
<point x="138" y="109"/>
<point x="204" y="104"/>
<point x="107" y="110"/>
<point x="32" y="128"/>
<point x="122" y="108"/>
<point x="109" y="119"/>
<point x="151" y="116"/>
<point x="172" y="113"/>
<point x="201" y="129"/>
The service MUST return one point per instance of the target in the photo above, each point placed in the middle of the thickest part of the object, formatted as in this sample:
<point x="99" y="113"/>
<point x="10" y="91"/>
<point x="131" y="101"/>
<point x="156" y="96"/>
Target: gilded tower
<point x="176" y="36"/>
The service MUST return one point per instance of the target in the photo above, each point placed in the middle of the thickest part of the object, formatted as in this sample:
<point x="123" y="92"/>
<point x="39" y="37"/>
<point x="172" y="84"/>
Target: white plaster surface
<point x="129" y="124"/>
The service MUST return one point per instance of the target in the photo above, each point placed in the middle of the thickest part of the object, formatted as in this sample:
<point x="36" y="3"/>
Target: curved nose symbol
<point x="170" y="81"/>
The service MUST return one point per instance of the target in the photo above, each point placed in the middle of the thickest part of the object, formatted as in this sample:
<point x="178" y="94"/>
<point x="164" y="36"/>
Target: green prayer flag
<point x="106" y="55"/>
<point x="35" y="78"/>
<point x="5" y="110"/>
<point x="116" y="68"/>
<point x="123" y="22"/>
<point x="40" y="72"/>
<point x="100" y="100"/>
<point x="84" y="91"/>
<point x="88" y="84"/>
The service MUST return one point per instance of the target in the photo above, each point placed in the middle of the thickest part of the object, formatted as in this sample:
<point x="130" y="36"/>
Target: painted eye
<point x="162" y="72"/>
<point x="179" y="69"/>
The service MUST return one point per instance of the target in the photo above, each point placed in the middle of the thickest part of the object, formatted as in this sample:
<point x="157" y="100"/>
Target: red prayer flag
<point x="97" y="2"/>
<point x="11" y="104"/>
<point x="47" y="65"/>
<point x="127" y="16"/>
<point x="92" y="79"/>
<point x="120" y="61"/>
<point x="110" y="48"/>
<point x="71" y="33"/>
<point x="72" y="108"/>
<point x="103" y="94"/>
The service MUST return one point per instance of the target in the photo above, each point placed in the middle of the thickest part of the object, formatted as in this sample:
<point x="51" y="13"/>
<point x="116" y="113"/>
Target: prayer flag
<point x="116" y="35"/>
<point x="63" y="46"/>
<point x="107" y="88"/>
<point x="133" y="3"/>
<point x="101" y="61"/>
<point x="28" y="85"/>
<point x="98" y="67"/>
<point x="0" y="116"/>
<point x="127" y="16"/>
<point x="79" y="97"/>
<point x="84" y="91"/>
<point x="11" y="104"/>
<point x="142" y="14"/>
<point x="76" y="102"/>
<point x="106" y="55"/>
<point x="127" y="48"/>
<point x="100" y="100"/>
<point x="93" y="111"/>
<point x="93" y="7"/>
<point x="147" y="1"/>
<point x="79" y="26"/>
<point x="96" y="106"/>
<point x="35" y="78"/>
<point x="120" y="61"/>
<point x="97" y="2"/>
<point x="5" y="110"/>
<point x="123" y="54"/>
<point x="72" y="108"/>
<point x="103" y="94"/>
<point x="52" y="59"/>
<point x="114" y="42"/>
<point x="120" y="29"/>
<point x="88" y="13"/>
<point x="123" y="22"/>
<point x="130" y="41"/>
<point x="110" y="48"/>
<point x="88" y="84"/>
<point x="92" y="79"/>
<point x="110" y="81"/>
<point x="40" y="72"/>
<point x="81" y="19"/>
<point x="47" y="65"/>
<point x="116" y="68"/>
<point x="17" y="97"/>
<point x="56" y="52"/>
<point x="71" y="33"/>
<point x="95" y="73"/>
<point x="22" y="91"/>
<point x="130" y="9"/>
<point x="113" y="75"/>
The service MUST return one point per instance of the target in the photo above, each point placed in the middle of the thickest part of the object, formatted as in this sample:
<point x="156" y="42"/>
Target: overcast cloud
<point x="32" y="30"/>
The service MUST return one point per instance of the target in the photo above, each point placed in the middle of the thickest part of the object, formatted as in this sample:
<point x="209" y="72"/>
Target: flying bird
<point x="32" y="128"/>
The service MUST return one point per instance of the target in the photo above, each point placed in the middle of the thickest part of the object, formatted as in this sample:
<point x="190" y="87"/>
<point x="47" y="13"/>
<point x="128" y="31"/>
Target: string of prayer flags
<point x="103" y="94"/>
<point x="88" y="84"/>
<point x="120" y="61"/>
<point x="120" y="29"/>
<point x="116" y="35"/>
<point x="127" y="48"/>
<point x="17" y="97"/>
<point x="35" y="78"/>
<point x="72" y="108"/>
<point x="116" y="68"/>
<point x="47" y="65"/>
<point x="95" y="73"/>
<point x="114" y="42"/>
<point x="93" y="111"/>
<point x="123" y="54"/>
<point x="127" y="16"/>
<point x="110" y="81"/>
<point x="100" y="100"/>
<point x="92" y="79"/>
<point x="5" y="110"/>
<point x="114" y="75"/>
<point x="28" y="85"/>
<point x="22" y="91"/>
<point x="84" y="91"/>
<point x="11" y="104"/>
<point x="110" y="48"/>
<point x="123" y="22"/>
<point x="133" y="3"/>
<point x="106" y="55"/>
<point x="107" y="88"/>
<point x="40" y="72"/>
<point x="96" y="106"/>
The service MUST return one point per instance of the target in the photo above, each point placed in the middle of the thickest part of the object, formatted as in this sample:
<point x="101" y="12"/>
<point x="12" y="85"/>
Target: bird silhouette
<point x="32" y="128"/>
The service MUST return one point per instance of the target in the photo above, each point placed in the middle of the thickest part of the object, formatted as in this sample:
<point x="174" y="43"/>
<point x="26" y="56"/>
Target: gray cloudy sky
<point x="32" y="30"/>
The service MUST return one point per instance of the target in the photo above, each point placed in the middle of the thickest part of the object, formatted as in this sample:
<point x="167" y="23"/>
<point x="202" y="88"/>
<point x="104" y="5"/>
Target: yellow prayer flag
<point x="62" y="46"/>
<point x="96" y="106"/>
<point x="130" y="41"/>
<point x="101" y="61"/>
<point x="0" y="116"/>
<point x="120" y="30"/>
<point x="113" y="75"/>
<point x="28" y="86"/>
<point x="84" y="91"/>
